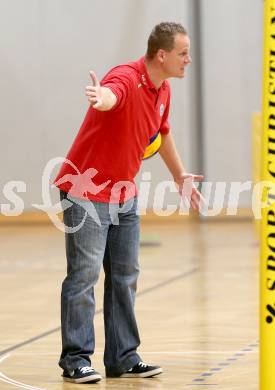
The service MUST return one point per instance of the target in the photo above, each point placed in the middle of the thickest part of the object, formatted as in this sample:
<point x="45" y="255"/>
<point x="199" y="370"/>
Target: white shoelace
<point x="142" y="364"/>
<point x="84" y="370"/>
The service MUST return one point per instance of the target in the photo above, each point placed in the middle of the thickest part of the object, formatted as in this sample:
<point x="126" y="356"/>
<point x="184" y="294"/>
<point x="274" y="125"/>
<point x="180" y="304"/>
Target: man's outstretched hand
<point x="101" y="98"/>
<point x="94" y="91"/>
<point x="188" y="191"/>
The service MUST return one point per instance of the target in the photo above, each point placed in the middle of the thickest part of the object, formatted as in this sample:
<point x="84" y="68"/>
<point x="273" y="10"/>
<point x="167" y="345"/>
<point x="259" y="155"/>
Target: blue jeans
<point x="115" y="243"/>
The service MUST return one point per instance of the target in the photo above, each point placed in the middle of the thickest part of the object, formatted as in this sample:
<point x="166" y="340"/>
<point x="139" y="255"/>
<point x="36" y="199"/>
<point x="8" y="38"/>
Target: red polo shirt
<point x="107" y="152"/>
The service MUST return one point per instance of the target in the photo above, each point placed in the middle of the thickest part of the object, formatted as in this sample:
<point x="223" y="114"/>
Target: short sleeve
<point x="119" y="81"/>
<point x="165" y="125"/>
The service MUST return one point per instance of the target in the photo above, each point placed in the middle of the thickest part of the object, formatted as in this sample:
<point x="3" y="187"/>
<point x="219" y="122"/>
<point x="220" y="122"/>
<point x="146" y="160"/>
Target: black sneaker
<point x="142" y="370"/>
<point x="82" y="375"/>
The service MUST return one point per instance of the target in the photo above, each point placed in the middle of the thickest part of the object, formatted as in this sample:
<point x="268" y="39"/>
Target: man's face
<point x="175" y="61"/>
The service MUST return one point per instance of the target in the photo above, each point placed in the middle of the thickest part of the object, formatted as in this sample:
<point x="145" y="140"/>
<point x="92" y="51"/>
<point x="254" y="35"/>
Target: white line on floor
<point x="5" y="379"/>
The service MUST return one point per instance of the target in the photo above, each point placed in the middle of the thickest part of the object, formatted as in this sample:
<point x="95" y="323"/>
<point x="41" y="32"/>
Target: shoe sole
<point x="86" y="379"/>
<point x="148" y="374"/>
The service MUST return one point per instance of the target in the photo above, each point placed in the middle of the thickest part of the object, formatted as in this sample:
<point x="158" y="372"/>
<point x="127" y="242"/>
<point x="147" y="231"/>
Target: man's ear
<point x="161" y="55"/>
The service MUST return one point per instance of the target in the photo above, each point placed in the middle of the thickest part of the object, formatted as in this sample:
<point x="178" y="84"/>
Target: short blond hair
<point x="163" y="37"/>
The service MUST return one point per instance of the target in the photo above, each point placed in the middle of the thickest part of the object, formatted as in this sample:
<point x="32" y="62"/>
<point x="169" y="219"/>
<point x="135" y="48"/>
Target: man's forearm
<point x="170" y="156"/>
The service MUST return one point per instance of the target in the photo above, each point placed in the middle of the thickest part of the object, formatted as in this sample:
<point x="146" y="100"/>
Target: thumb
<point x="94" y="79"/>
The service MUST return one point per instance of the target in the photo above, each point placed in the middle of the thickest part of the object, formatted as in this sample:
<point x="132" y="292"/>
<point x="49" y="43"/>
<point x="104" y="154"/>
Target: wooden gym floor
<point x="197" y="308"/>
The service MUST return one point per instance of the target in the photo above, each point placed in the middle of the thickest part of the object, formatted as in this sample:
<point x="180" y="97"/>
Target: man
<point x="128" y="108"/>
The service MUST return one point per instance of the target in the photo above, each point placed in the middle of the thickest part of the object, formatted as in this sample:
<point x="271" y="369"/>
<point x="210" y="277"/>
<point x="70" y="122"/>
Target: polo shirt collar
<point x="145" y="79"/>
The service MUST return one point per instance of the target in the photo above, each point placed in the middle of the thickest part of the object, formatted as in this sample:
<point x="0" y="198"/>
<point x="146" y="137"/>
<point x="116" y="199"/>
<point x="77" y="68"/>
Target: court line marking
<point x="161" y="284"/>
<point x="10" y="381"/>
<point x="3" y="358"/>
<point x="146" y="291"/>
<point x="33" y="339"/>
<point x="223" y="364"/>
